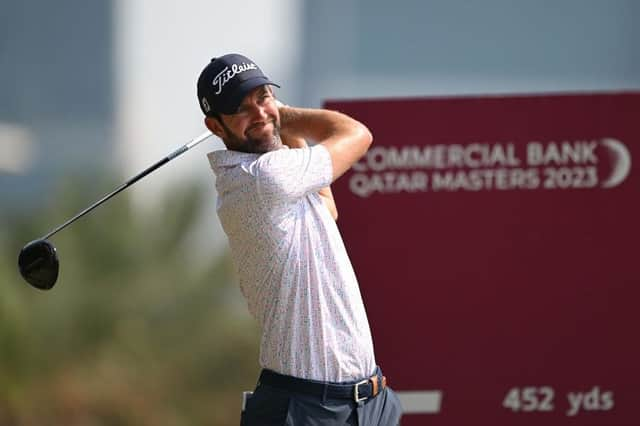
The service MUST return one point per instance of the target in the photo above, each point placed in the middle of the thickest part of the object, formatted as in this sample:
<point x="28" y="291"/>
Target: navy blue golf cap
<point x="225" y="81"/>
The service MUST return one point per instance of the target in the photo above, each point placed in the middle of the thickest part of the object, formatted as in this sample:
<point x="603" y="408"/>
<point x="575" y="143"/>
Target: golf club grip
<point x="131" y="181"/>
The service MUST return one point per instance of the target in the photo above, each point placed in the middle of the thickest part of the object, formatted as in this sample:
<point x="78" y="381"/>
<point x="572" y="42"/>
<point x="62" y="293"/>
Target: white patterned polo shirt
<point x="292" y="265"/>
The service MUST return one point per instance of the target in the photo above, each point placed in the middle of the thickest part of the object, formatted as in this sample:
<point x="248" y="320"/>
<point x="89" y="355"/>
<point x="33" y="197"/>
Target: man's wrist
<point x="289" y="139"/>
<point x="285" y="112"/>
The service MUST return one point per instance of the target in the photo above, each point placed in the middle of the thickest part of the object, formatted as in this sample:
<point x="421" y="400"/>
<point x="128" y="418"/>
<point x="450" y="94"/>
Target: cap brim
<point x="243" y="90"/>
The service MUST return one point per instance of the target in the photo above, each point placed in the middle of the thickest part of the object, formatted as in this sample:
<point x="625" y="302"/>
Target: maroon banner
<point x="495" y="240"/>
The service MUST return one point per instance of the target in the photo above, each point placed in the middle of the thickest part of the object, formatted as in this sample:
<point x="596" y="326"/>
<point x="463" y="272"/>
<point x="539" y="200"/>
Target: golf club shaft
<point x="184" y="148"/>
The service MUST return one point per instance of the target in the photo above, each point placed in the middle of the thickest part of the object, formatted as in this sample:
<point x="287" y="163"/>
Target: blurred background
<point x="146" y="325"/>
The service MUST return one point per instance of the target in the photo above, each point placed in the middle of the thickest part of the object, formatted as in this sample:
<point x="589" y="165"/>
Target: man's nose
<point x="258" y="112"/>
<point x="262" y="112"/>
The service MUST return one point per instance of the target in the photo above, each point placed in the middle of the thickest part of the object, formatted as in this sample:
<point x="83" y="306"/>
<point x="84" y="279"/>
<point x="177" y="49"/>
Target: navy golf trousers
<point x="292" y="406"/>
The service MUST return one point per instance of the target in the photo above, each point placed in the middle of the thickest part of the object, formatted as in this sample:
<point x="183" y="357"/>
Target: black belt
<point x="357" y="391"/>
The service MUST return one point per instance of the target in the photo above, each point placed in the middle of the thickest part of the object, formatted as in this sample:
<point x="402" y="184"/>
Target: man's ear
<point x="214" y="125"/>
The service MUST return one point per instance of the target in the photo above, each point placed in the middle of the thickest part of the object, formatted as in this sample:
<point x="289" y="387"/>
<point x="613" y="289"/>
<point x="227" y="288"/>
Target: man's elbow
<point x="367" y="136"/>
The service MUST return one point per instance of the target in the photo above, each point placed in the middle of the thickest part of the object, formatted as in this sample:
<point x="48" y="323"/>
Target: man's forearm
<point x="308" y="123"/>
<point x="346" y="139"/>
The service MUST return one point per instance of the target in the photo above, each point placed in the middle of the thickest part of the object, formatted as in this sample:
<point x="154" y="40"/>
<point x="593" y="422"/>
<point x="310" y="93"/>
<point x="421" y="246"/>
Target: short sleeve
<point x="293" y="173"/>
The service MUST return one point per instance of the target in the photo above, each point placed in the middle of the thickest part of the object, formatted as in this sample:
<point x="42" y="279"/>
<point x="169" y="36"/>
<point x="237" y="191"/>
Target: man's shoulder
<point x="228" y="158"/>
<point x="283" y="173"/>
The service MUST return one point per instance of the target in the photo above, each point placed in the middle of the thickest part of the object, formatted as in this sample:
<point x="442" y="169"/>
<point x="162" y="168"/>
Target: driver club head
<point x="38" y="264"/>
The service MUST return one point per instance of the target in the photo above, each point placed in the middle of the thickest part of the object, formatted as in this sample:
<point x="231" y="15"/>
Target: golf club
<point x="38" y="260"/>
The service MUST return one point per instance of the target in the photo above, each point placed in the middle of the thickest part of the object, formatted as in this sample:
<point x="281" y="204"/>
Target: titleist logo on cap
<point x="227" y="74"/>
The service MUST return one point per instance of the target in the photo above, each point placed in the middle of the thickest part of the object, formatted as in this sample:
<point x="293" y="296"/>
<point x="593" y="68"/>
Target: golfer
<point x="276" y="207"/>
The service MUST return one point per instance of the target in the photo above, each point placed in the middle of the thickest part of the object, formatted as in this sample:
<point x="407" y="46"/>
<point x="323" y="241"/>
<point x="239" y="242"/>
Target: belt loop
<point x="324" y="393"/>
<point x="382" y="383"/>
<point x="375" y="385"/>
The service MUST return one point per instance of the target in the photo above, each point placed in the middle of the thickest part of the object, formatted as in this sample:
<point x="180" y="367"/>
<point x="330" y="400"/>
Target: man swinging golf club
<point x="276" y="207"/>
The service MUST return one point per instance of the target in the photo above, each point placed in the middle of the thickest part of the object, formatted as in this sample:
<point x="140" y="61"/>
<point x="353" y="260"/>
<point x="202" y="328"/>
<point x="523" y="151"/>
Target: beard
<point x="270" y="141"/>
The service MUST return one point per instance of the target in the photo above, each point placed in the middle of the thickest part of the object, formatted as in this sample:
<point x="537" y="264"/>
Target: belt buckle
<point x="356" y="396"/>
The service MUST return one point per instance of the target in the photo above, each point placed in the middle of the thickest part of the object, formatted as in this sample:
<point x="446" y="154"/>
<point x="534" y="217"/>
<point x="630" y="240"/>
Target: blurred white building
<point x="161" y="46"/>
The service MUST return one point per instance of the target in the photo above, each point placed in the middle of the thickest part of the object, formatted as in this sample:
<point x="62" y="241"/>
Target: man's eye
<point x="262" y="99"/>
